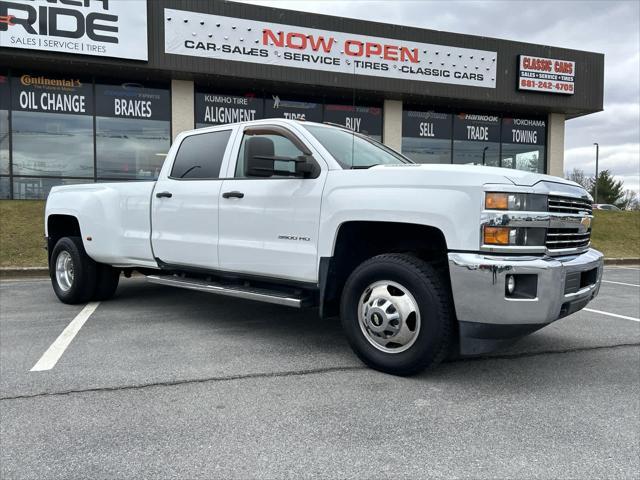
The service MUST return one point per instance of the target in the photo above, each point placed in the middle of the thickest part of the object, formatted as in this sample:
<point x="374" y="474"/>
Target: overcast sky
<point x="609" y="27"/>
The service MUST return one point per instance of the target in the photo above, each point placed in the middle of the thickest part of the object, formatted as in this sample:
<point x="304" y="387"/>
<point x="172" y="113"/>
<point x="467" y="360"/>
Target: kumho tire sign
<point x="109" y="28"/>
<point x="228" y="38"/>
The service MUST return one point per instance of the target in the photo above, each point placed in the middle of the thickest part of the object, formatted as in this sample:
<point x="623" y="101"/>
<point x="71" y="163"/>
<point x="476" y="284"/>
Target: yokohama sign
<point x="227" y="38"/>
<point x="109" y="28"/>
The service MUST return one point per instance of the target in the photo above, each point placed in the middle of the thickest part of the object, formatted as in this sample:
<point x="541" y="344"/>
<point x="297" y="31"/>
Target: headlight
<point x="510" y="236"/>
<point x="532" y="202"/>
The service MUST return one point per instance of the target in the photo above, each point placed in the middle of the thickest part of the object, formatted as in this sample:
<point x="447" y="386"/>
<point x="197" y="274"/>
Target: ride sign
<point x="546" y="75"/>
<point x="86" y="27"/>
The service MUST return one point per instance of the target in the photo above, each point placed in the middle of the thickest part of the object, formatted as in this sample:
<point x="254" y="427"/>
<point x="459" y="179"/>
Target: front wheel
<point x="72" y="271"/>
<point x="396" y="314"/>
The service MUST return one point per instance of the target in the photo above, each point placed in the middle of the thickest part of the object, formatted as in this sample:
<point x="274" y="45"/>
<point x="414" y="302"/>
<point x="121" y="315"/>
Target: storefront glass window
<point x="366" y="120"/>
<point x="523" y="144"/>
<point x="28" y="188"/>
<point x="52" y="126"/>
<point x="426" y="136"/>
<point x="5" y="192"/>
<point x="133" y="131"/>
<point x="216" y="109"/>
<point x="4" y="124"/>
<point x="476" y="139"/>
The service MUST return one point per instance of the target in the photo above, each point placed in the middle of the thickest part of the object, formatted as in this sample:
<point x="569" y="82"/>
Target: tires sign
<point x="227" y="38"/>
<point x="546" y="75"/>
<point x="105" y="28"/>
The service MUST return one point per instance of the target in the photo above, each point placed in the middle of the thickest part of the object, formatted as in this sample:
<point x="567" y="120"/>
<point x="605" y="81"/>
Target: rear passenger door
<point x="184" y="213"/>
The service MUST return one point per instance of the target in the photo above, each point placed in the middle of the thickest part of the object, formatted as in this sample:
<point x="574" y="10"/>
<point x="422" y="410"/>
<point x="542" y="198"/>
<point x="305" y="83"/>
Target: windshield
<point x="353" y="150"/>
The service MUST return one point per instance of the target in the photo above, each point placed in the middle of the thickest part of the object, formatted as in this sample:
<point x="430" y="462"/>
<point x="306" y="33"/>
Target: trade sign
<point x="228" y="38"/>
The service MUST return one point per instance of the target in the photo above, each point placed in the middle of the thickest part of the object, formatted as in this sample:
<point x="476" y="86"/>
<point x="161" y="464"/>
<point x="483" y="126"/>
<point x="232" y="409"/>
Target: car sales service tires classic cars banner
<point x="227" y="38"/>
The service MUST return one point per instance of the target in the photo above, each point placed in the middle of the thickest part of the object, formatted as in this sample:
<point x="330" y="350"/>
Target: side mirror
<point x="260" y="166"/>
<point x="264" y="166"/>
<point x="305" y="167"/>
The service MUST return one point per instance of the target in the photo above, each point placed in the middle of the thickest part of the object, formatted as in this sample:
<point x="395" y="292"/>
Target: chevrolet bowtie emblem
<point x="586" y="223"/>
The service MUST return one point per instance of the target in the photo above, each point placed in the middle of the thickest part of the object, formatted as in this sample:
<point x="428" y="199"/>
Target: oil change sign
<point x="107" y="28"/>
<point x="227" y="38"/>
<point x="47" y="94"/>
<point x="546" y="75"/>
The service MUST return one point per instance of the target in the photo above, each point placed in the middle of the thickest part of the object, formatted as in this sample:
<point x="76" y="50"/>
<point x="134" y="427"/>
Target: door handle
<point x="234" y="194"/>
<point x="164" y="195"/>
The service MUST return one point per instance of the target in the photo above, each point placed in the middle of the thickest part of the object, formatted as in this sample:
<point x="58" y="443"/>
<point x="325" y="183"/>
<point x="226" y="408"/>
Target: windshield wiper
<point x="363" y="167"/>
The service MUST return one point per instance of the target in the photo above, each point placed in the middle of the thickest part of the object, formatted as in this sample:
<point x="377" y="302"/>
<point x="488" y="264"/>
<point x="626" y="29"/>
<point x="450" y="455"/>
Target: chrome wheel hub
<point x="64" y="271"/>
<point x="389" y="316"/>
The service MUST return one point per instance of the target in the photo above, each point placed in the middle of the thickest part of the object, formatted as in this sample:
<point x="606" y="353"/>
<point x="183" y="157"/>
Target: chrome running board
<point x="249" y="293"/>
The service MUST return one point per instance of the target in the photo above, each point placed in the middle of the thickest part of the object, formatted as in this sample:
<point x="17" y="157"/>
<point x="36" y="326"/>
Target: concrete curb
<point x="36" y="272"/>
<point x="622" y="261"/>
<point x="23" y="272"/>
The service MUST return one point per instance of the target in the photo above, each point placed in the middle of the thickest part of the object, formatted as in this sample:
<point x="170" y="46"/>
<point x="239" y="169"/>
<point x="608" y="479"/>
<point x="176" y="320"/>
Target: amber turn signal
<point x="496" y="235"/>
<point x="496" y="201"/>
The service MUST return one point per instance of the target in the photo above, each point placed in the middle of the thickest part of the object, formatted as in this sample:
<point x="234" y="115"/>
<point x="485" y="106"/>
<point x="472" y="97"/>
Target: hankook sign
<point x="227" y="38"/>
<point x="107" y="28"/>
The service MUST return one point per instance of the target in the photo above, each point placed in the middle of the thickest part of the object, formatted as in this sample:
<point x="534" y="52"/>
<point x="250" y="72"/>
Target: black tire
<point x="81" y="287"/>
<point x="431" y="294"/>
<point x="107" y="279"/>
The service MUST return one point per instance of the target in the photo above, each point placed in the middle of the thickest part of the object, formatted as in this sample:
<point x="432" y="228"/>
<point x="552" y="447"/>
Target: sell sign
<point x="429" y="124"/>
<point x="242" y="40"/>
<point x="546" y="75"/>
<point x="106" y="28"/>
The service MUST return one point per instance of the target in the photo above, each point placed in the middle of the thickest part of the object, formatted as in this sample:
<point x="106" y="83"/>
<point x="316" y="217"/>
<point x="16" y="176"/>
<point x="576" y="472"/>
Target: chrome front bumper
<point x="481" y="302"/>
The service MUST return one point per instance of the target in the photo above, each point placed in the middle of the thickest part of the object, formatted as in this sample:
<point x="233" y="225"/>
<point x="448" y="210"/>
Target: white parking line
<point x="621" y="283"/>
<point x="57" y="348"/>
<point x="619" y="267"/>
<point x="612" y="314"/>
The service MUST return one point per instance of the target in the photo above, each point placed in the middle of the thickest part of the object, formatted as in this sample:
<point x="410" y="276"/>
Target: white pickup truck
<point x="419" y="261"/>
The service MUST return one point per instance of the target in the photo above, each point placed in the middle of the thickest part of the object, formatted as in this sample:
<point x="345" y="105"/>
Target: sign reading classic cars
<point x="228" y="38"/>
<point x="546" y="75"/>
<point x="105" y="28"/>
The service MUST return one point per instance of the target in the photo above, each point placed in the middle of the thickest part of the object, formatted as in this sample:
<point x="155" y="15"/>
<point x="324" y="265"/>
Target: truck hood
<point x="484" y="174"/>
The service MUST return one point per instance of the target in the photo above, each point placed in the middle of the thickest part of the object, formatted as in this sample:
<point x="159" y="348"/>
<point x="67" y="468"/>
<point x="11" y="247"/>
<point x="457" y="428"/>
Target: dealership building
<point x="96" y="90"/>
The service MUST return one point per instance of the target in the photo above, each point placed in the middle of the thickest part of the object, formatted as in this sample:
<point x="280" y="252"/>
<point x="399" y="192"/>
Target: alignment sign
<point x="229" y="38"/>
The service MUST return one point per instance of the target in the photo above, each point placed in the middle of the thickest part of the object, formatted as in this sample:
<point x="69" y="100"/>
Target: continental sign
<point x="240" y="40"/>
<point x="109" y="28"/>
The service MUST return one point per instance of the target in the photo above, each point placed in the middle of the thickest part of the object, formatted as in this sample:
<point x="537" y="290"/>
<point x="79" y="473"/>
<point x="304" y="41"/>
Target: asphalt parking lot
<point x="169" y="383"/>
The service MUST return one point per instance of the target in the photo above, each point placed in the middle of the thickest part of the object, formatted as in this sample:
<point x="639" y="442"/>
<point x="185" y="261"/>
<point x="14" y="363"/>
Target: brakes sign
<point x="546" y="75"/>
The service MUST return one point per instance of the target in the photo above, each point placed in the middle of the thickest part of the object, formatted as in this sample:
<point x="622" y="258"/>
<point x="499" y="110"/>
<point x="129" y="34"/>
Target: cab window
<point x="266" y="146"/>
<point x="200" y="156"/>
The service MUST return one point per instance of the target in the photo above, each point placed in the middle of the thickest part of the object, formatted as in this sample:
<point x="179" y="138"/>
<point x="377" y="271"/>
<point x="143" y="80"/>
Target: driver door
<point x="269" y="223"/>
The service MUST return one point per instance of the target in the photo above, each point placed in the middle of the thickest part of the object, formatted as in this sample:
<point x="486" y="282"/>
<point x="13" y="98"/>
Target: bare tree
<point x="630" y="201"/>
<point x="577" y="175"/>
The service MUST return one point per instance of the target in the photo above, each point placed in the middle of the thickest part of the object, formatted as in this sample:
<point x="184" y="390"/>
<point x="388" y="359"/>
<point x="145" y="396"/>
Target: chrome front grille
<point x="562" y="238"/>
<point x="569" y="205"/>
